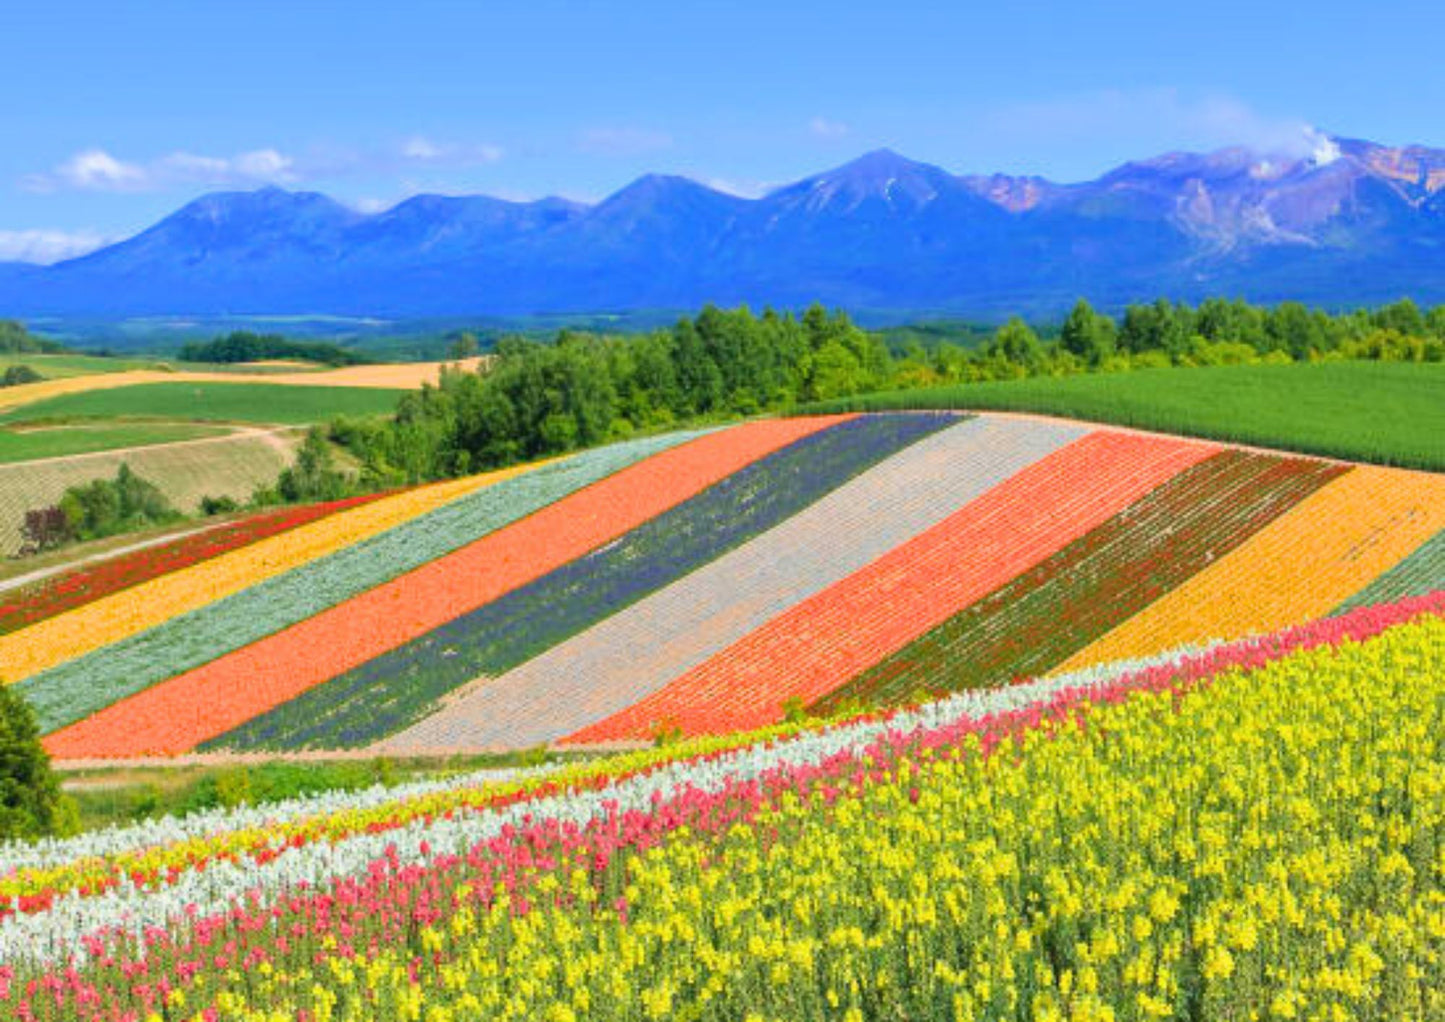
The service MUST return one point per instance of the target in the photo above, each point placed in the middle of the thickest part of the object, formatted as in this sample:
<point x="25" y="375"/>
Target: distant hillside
<point x="1350" y="222"/>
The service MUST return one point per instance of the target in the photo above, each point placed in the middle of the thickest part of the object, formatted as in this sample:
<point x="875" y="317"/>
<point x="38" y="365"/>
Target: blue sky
<point x="113" y="114"/>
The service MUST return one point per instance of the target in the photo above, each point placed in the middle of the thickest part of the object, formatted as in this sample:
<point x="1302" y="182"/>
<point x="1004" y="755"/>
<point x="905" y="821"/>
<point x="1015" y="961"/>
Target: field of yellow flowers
<point x="1245" y="831"/>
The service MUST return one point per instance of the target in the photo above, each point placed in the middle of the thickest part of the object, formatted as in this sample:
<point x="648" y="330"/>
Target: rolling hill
<point x="1348" y="222"/>
<point x="714" y="581"/>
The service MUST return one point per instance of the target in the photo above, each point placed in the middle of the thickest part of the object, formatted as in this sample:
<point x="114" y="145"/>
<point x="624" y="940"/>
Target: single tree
<point x="30" y="798"/>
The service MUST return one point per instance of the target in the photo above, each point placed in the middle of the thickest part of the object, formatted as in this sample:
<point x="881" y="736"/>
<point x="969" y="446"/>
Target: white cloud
<point x="422" y="149"/>
<point x="419" y="148"/>
<point x="97" y="170"/>
<point x="43" y="246"/>
<point x="822" y="127"/>
<point x="372" y="205"/>
<point x="622" y="141"/>
<point x="1163" y="117"/>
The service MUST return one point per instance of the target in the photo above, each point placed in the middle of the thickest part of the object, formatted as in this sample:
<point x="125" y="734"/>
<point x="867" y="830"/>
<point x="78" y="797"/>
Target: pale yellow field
<point x="230" y="466"/>
<point x="408" y="376"/>
<point x="1297" y="568"/>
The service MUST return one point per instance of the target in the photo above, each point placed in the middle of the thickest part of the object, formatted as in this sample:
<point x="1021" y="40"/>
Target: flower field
<point x="76" y="588"/>
<point x="708" y="582"/>
<point x="391" y="691"/>
<point x="1244" y="829"/>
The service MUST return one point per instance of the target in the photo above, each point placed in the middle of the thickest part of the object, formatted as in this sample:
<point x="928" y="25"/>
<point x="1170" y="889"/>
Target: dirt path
<point x="104" y="555"/>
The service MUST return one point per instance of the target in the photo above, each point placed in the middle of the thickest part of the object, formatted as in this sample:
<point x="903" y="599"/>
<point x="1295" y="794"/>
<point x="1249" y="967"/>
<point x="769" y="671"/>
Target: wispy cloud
<point x="97" y="170"/>
<point x="421" y="149"/>
<point x="828" y="129"/>
<point x="614" y="141"/>
<point x="1175" y="118"/>
<point x="43" y="246"/>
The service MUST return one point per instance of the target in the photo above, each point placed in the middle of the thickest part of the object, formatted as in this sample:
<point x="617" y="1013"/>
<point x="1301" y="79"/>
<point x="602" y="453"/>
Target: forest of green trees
<point x="247" y="346"/>
<point x="538" y="399"/>
<point x="16" y="340"/>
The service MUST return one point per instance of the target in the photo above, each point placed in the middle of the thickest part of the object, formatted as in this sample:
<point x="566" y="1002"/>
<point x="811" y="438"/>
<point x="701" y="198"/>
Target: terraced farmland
<point x="710" y="582"/>
<point x="231" y="466"/>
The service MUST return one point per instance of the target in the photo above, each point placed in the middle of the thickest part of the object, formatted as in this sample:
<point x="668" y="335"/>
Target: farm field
<point x="86" y="377"/>
<point x="1387" y="413"/>
<point x="59" y="442"/>
<point x="855" y="868"/>
<point x="264" y="403"/>
<point x="57" y="367"/>
<point x="706" y="583"/>
<point x="185" y="472"/>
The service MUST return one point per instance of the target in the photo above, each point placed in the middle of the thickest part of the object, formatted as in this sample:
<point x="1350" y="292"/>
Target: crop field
<point x="32" y="444"/>
<point x="1329" y="409"/>
<point x="1247" y="828"/>
<point x="185" y="472"/>
<point x="210" y="402"/>
<point x="76" y="375"/>
<point x="59" y="367"/>
<point x="706" y="583"/>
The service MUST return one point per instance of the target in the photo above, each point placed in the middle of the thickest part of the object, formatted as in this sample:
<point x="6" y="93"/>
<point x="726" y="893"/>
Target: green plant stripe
<point x="1420" y="573"/>
<point x="402" y="686"/>
<point x="77" y="688"/>
<point x="1043" y="616"/>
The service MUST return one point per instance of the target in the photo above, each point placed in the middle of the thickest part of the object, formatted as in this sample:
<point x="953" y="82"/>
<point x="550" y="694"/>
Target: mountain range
<point x="1349" y="222"/>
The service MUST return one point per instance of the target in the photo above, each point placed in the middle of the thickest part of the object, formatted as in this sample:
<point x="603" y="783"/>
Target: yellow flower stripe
<point x="1265" y="849"/>
<point x="123" y="614"/>
<point x="1298" y="568"/>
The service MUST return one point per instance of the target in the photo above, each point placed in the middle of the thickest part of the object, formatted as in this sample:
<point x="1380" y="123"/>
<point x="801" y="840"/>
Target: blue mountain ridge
<point x="1352" y="222"/>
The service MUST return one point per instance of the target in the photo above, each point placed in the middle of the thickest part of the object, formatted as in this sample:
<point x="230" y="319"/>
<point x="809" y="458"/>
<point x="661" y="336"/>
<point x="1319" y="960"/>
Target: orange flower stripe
<point x="1298" y="568"/>
<point x="183" y="711"/>
<point x="812" y="648"/>
<point x="121" y="615"/>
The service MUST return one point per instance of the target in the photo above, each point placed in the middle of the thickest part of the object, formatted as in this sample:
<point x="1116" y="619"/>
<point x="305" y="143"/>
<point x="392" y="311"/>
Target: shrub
<point x="16" y="375"/>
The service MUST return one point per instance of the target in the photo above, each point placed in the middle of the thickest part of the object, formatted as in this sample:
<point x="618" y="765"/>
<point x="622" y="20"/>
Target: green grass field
<point x="56" y="367"/>
<point x="282" y="404"/>
<point x="62" y="441"/>
<point x="1389" y="413"/>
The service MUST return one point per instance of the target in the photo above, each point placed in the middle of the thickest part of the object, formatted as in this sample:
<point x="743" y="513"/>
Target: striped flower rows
<point x="1299" y="567"/>
<point x="391" y="691"/>
<point x="1422" y="572"/>
<point x="638" y="650"/>
<point x="519" y="533"/>
<point x="1134" y="849"/>
<point x="820" y="643"/>
<point x="78" y="688"/>
<point x="127" y="613"/>
<point x="1044" y="615"/>
<point x="72" y="589"/>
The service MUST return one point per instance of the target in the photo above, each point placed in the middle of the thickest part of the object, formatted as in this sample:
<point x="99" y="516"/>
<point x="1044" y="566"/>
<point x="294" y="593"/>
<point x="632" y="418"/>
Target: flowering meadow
<point x="1250" y="829"/>
<point x="707" y="582"/>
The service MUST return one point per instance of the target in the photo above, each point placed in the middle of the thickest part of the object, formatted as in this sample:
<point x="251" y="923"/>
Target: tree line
<point x="247" y="346"/>
<point x="537" y="399"/>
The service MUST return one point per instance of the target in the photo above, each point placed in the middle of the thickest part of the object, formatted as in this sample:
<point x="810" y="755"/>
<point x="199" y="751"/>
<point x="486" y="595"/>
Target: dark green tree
<point x="314" y="475"/>
<point x="1087" y="335"/>
<point x="30" y="797"/>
